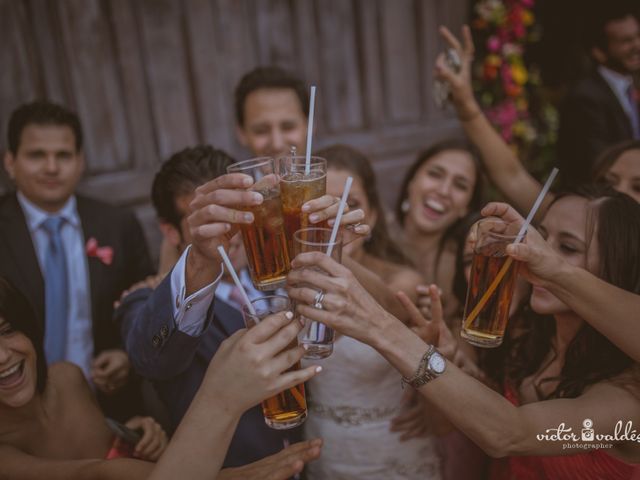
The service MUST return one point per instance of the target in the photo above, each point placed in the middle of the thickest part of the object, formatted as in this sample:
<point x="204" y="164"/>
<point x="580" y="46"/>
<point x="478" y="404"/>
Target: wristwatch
<point x="432" y="365"/>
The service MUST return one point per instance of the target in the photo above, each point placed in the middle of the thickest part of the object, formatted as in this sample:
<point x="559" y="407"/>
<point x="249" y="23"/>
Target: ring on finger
<point x="317" y="301"/>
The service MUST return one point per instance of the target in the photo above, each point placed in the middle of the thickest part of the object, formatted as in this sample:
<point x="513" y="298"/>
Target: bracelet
<point x="419" y="378"/>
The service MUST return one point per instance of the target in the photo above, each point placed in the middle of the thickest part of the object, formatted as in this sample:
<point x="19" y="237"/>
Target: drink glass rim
<point x="250" y="163"/>
<point x="245" y="309"/>
<point x="315" y="160"/>
<point x="296" y="237"/>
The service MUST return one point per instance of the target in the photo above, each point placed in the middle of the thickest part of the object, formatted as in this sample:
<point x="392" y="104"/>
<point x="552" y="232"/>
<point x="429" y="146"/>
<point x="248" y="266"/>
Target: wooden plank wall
<point x="149" y="77"/>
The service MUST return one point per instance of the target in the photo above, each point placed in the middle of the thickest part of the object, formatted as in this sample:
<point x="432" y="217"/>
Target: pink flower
<point x="104" y="254"/>
<point x="493" y="43"/>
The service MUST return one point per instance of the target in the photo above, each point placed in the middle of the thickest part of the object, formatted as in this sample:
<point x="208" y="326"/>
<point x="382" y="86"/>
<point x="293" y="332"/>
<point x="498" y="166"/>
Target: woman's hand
<point x="110" y="370"/>
<point x="284" y="464"/>
<point x="541" y="264"/>
<point x="326" y="207"/>
<point x="347" y="307"/>
<point x="252" y="365"/>
<point x="459" y="82"/>
<point x="153" y="441"/>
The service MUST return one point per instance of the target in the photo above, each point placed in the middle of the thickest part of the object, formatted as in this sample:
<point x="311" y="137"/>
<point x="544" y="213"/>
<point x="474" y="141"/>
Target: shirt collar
<point x="619" y="83"/>
<point x="35" y="216"/>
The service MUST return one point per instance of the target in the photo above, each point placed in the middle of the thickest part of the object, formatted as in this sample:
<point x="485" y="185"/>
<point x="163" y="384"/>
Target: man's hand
<point x="218" y="208"/>
<point x="110" y="370"/>
<point x="326" y="208"/>
<point x="280" y="466"/>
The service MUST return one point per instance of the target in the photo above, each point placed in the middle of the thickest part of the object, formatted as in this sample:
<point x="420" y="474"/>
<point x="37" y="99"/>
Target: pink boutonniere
<point x="104" y="254"/>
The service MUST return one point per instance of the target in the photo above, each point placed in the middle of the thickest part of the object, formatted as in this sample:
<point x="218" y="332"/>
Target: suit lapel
<point x="21" y="247"/>
<point x="615" y="102"/>
<point x="91" y="228"/>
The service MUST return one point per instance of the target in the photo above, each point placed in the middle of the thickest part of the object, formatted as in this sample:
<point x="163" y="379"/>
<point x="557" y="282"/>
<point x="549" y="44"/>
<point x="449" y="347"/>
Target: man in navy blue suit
<point x="171" y="335"/>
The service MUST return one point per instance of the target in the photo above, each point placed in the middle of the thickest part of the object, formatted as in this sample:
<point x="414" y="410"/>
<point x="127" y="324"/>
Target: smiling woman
<point x="440" y="189"/>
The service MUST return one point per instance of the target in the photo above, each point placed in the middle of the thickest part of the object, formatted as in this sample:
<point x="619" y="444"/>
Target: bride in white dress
<point x="358" y="394"/>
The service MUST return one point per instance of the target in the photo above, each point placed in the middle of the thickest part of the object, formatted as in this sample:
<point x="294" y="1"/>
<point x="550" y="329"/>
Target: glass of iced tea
<point x="491" y="284"/>
<point x="287" y="409"/>
<point x="297" y="187"/>
<point x="265" y="240"/>
<point x="316" y="338"/>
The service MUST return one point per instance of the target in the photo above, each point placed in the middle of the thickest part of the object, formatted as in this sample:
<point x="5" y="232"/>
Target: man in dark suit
<point x="72" y="256"/>
<point x="602" y="109"/>
<point x="171" y="336"/>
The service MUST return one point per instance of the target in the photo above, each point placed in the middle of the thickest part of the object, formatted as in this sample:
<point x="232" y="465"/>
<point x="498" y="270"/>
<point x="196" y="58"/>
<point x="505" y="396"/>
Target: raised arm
<point x="609" y="309"/>
<point x="501" y="163"/>
<point x="491" y="421"/>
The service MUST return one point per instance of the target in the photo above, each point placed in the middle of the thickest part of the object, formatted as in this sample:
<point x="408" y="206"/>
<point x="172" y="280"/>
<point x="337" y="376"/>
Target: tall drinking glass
<point x="265" y="240"/>
<point x="491" y="285"/>
<point x="298" y="187"/>
<point x="287" y="409"/>
<point x="316" y="338"/>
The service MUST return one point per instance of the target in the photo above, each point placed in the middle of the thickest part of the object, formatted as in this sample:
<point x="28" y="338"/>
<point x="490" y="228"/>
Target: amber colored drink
<point x="286" y="409"/>
<point x="297" y="189"/>
<point x="487" y="329"/>
<point x="265" y="242"/>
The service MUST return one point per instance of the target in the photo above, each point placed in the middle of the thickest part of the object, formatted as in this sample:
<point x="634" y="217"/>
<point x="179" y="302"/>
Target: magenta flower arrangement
<point x="507" y="85"/>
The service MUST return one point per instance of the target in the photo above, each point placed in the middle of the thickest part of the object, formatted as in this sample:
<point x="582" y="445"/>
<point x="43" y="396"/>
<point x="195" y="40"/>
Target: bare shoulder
<point x="68" y="375"/>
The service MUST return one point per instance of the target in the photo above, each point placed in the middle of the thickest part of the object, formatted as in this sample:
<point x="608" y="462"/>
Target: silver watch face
<point x="437" y="363"/>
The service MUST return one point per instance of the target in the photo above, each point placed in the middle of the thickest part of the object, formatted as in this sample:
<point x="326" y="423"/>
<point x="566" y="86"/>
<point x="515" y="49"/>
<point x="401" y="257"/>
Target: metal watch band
<point x="422" y="375"/>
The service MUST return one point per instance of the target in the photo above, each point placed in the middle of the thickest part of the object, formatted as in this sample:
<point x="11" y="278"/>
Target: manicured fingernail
<point x="318" y="369"/>
<point x="247" y="181"/>
<point x="305" y="207"/>
<point x="248" y="217"/>
<point x="289" y="315"/>
<point x="257" y="198"/>
<point x="331" y="222"/>
<point x="313" y="218"/>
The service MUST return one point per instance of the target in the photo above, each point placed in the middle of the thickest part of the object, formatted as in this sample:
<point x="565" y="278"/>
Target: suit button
<point x="164" y="331"/>
<point x="156" y="340"/>
<point x="188" y="307"/>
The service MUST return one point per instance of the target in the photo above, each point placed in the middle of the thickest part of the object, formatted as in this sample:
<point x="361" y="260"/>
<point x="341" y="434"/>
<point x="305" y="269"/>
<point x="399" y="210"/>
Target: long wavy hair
<point x="614" y="219"/>
<point x="380" y="244"/>
<point x="16" y="310"/>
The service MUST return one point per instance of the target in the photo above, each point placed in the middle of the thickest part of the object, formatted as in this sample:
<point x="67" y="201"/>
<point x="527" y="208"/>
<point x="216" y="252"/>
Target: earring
<point x="404" y="206"/>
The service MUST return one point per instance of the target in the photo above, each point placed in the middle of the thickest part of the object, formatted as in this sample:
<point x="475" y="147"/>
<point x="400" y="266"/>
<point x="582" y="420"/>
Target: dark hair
<point x="16" y="310"/>
<point x="476" y="201"/>
<point x="268" y="77"/>
<point x="459" y="280"/>
<point x="347" y="158"/>
<point x="41" y="112"/>
<point x="181" y="174"/>
<point x="614" y="219"/>
<point x="602" y="13"/>
<point x="606" y="159"/>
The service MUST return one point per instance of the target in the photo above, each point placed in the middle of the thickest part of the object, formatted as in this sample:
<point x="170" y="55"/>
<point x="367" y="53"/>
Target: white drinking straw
<point x="312" y="107"/>
<point x="536" y="205"/>
<point x="336" y="226"/>
<point x="236" y="280"/>
<point x="503" y="271"/>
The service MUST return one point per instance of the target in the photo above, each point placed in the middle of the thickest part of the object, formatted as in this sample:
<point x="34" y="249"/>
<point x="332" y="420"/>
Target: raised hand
<point x="326" y="207"/>
<point x="347" y="306"/>
<point x="459" y="82"/>
<point x="252" y="365"/>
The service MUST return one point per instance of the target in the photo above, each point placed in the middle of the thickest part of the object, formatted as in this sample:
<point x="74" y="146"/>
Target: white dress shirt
<point x="79" y="342"/>
<point x="190" y="313"/>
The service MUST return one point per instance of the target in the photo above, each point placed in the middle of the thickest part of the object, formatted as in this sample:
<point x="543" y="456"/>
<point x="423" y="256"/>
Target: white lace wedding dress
<point x="351" y="405"/>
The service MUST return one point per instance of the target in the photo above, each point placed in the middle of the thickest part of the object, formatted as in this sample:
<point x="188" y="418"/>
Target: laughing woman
<point x="559" y="372"/>
<point x="51" y="426"/>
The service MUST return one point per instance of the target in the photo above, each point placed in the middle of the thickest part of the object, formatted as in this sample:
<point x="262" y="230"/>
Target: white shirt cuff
<point x="190" y="313"/>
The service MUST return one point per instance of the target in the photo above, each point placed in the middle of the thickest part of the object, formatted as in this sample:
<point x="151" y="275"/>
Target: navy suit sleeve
<point x="156" y="348"/>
